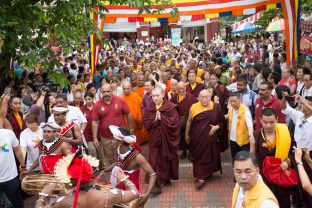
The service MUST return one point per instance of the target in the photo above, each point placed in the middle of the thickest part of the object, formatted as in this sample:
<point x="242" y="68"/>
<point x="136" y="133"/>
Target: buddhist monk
<point x="140" y="88"/>
<point x="203" y="129"/>
<point x="184" y="100"/>
<point x="173" y="89"/>
<point x="161" y="119"/>
<point x="193" y="87"/>
<point x="134" y="102"/>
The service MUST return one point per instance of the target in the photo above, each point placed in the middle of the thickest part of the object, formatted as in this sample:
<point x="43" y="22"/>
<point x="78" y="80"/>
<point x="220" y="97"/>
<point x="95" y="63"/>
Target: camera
<point x="47" y="87"/>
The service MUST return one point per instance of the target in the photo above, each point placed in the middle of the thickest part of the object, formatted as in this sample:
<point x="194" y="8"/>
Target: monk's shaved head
<point x="181" y="85"/>
<point x="181" y="89"/>
<point x="158" y="95"/>
<point x="141" y="80"/>
<point x="126" y="87"/>
<point x="158" y="90"/>
<point x="204" y="97"/>
<point x="173" y="81"/>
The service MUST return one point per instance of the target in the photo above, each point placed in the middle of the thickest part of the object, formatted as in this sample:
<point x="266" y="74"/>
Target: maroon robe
<point x="195" y="92"/>
<point x="16" y="128"/>
<point x="282" y="194"/>
<point x="163" y="141"/>
<point x="183" y="110"/>
<point x="205" y="149"/>
<point x="223" y="94"/>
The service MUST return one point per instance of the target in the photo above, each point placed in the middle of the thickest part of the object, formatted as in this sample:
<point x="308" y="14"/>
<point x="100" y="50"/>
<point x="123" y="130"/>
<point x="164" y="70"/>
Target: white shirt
<point x="306" y="92"/>
<point x="74" y="114"/>
<point x="299" y="87"/>
<point x="303" y="127"/>
<point x="283" y="66"/>
<point x="248" y="119"/>
<point x="30" y="140"/>
<point x="268" y="203"/>
<point x="235" y="57"/>
<point x="8" y="141"/>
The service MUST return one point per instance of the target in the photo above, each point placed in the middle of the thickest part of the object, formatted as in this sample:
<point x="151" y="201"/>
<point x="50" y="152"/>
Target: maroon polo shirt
<point x="274" y="104"/>
<point x="88" y="130"/>
<point x="110" y="114"/>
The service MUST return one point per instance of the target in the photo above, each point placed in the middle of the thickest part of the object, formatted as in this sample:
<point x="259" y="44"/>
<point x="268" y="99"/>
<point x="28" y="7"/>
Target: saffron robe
<point x="134" y="101"/>
<point x="140" y="91"/>
<point x="163" y="141"/>
<point x="183" y="110"/>
<point x="204" y="148"/>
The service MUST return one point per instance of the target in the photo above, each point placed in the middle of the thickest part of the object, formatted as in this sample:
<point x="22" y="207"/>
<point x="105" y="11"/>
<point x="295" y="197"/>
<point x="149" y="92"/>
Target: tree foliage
<point x="267" y="17"/>
<point x="306" y="7"/>
<point x="28" y="26"/>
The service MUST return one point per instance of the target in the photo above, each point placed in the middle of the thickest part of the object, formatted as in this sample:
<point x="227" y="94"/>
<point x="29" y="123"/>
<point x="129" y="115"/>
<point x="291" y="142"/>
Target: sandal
<point x="199" y="184"/>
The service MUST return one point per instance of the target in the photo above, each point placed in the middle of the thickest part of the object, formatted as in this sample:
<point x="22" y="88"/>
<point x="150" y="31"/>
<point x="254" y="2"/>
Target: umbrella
<point x="277" y="25"/>
<point x="247" y="27"/>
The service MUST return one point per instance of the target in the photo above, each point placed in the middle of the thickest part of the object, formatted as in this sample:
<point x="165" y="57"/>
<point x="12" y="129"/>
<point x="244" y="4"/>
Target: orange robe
<point x="134" y="102"/>
<point x="140" y="91"/>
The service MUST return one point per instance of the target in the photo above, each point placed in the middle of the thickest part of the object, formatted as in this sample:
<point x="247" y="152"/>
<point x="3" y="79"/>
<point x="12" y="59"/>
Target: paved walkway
<point x="216" y="193"/>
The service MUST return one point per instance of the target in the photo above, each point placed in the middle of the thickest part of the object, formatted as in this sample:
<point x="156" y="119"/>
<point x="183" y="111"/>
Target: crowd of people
<point x="183" y="103"/>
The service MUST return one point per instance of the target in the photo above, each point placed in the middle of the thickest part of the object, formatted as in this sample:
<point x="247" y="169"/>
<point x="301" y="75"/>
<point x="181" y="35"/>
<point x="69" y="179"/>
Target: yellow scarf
<point x="18" y="119"/>
<point x="197" y="108"/>
<point x="282" y="140"/>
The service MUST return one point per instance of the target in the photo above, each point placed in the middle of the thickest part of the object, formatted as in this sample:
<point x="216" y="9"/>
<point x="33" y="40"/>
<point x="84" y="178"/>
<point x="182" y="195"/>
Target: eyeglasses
<point x="303" y="122"/>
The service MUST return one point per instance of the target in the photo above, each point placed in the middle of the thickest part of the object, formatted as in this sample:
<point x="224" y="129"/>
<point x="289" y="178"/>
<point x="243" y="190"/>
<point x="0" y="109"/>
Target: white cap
<point x="122" y="134"/>
<point x="60" y="109"/>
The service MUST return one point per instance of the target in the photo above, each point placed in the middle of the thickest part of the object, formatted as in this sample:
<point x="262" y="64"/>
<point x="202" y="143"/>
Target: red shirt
<point x="274" y="104"/>
<point x="110" y="114"/>
<point x="88" y="130"/>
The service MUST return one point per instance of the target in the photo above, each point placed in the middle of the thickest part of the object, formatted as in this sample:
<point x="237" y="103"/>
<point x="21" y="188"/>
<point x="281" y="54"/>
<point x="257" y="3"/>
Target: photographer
<point x="302" y="120"/>
<point x="37" y="103"/>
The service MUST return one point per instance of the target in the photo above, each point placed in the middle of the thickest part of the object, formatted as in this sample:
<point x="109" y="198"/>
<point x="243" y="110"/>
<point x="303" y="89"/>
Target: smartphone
<point x="290" y="98"/>
<point x="7" y="90"/>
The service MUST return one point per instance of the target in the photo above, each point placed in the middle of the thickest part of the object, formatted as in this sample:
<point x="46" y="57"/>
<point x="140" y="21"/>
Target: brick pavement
<point x="216" y="193"/>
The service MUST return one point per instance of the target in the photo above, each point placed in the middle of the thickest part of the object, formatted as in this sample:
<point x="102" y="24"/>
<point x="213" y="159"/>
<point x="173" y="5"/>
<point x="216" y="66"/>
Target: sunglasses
<point x="303" y="122"/>
<point x="47" y="131"/>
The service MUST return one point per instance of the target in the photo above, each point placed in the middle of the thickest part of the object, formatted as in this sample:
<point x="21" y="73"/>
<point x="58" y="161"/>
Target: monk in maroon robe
<point x="203" y="129"/>
<point x="267" y="141"/>
<point x="193" y="87"/>
<point x="184" y="100"/>
<point x="161" y="119"/>
<point x="220" y="92"/>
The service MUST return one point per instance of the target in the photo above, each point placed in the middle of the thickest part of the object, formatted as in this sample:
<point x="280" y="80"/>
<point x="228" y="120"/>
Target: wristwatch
<point x="299" y="163"/>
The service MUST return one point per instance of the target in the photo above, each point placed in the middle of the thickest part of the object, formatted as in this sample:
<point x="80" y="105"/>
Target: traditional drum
<point x="33" y="184"/>
<point x="132" y="204"/>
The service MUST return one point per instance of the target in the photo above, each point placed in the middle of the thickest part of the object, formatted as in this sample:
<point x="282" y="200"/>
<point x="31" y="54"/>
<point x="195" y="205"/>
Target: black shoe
<point x="168" y="183"/>
<point x="156" y="190"/>
<point x="190" y="157"/>
<point x="183" y="155"/>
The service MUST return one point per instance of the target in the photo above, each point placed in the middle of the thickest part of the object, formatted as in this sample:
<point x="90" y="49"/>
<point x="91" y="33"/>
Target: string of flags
<point x="238" y="12"/>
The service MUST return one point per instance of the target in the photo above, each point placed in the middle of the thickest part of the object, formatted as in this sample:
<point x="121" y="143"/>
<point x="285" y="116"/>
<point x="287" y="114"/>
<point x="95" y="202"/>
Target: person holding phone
<point x="302" y="120"/>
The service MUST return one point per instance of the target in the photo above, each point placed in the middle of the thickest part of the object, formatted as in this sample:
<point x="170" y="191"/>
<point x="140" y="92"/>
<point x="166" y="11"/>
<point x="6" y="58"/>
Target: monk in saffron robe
<point x="273" y="140"/>
<point x="134" y="102"/>
<point x="161" y="119"/>
<point x="193" y="87"/>
<point x="140" y="88"/>
<point x="203" y="133"/>
<point x="184" y="100"/>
